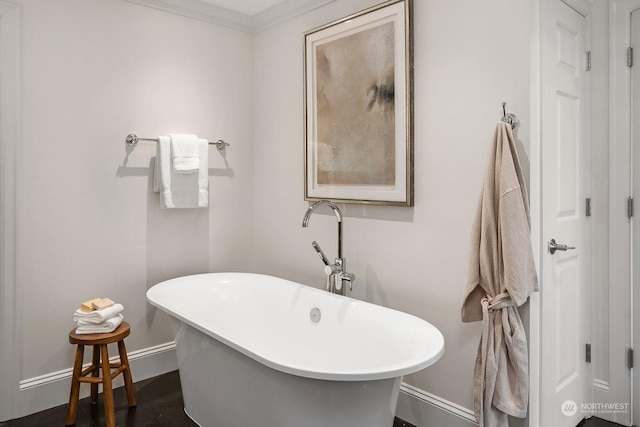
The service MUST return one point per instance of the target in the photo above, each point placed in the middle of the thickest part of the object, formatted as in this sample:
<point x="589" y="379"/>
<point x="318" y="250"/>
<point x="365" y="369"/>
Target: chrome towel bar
<point x="132" y="139"/>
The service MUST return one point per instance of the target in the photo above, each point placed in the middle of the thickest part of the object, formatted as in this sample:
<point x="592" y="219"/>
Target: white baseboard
<point x="424" y="409"/>
<point x="52" y="389"/>
<point x="37" y="394"/>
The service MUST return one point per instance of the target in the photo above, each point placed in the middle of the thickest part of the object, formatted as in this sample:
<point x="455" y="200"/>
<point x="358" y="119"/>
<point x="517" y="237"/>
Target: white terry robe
<point x="501" y="277"/>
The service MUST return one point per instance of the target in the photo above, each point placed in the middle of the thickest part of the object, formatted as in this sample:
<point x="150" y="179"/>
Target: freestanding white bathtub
<point x="259" y="351"/>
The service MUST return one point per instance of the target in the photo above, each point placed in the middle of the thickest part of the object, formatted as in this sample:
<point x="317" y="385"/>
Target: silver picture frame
<point x="358" y="90"/>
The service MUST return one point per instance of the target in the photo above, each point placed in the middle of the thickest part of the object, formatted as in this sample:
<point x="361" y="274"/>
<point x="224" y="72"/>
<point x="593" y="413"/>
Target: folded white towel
<point x="98" y="316"/>
<point x="108" y="325"/>
<point x="185" y="154"/>
<point x="180" y="190"/>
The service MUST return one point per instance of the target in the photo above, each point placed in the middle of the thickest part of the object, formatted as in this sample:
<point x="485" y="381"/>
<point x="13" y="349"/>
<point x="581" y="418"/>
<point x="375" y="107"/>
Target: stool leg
<point x="107" y="389"/>
<point x="128" y="382"/>
<point x="95" y="361"/>
<point x="72" y="412"/>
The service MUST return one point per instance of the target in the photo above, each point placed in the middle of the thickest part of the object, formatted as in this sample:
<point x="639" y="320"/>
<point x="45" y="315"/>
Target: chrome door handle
<point x="553" y="247"/>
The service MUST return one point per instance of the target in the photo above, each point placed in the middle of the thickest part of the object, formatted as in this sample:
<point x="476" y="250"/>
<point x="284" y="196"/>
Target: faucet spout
<point x="336" y="211"/>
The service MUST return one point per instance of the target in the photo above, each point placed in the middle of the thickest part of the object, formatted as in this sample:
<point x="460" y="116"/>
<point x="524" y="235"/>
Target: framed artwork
<point x="359" y="108"/>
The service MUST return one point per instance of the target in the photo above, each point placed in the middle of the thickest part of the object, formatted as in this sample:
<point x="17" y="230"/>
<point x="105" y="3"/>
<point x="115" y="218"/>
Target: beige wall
<point x="88" y="225"/>
<point x="469" y="57"/>
<point x="96" y="70"/>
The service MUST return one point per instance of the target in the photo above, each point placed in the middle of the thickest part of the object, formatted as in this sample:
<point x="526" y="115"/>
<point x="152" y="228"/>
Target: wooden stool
<point x="100" y="351"/>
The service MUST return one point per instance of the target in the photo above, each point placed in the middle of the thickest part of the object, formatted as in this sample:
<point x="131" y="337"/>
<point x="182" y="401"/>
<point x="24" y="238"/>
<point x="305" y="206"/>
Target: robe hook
<point x="509" y="118"/>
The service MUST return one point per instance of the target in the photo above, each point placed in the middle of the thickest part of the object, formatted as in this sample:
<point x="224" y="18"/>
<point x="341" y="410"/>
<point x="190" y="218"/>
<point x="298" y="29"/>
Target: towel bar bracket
<point x="132" y="140"/>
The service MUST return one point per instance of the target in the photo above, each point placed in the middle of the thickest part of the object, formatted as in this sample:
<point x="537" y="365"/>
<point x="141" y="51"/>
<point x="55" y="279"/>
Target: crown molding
<point x="283" y="12"/>
<point x="207" y="12"/>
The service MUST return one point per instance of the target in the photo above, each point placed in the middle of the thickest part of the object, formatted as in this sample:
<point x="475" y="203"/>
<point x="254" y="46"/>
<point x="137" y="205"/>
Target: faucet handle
<point x="349" y="277"/>
<point x="330" y="269"/>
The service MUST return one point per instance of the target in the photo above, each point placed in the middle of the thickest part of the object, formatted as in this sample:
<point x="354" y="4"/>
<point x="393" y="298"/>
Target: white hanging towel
<point x="179" y="182"/>
<point x="501" y="277"/>
<point x="185" y="155"/>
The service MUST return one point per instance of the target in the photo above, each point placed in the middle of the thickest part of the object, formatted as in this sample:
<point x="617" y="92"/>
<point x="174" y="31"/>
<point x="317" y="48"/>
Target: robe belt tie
<point x="502" y="300"/>
<point x="489" y="304"/>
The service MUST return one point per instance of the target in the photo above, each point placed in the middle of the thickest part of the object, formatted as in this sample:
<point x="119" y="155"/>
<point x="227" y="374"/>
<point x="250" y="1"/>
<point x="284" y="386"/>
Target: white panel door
<point x="564" y="285"/>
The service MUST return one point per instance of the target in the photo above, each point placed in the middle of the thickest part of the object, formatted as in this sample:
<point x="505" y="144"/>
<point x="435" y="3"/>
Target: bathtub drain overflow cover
<point x="315" y="315"/>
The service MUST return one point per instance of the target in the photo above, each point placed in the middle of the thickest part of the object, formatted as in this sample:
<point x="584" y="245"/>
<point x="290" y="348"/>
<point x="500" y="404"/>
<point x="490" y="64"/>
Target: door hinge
<point x="588" y="60"/>
<point x="588" y="353"/>
<point x="629" y="56"/>
<point x="629" y="358"/>
<point x="588" y="207"/>
<point x="630" y="207"/>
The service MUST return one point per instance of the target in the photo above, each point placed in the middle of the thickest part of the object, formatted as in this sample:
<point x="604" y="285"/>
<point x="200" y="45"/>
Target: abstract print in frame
<point x="358" y="108"/>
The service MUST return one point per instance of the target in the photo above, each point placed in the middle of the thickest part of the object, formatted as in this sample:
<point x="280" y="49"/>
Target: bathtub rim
<point x="390" y="371"/>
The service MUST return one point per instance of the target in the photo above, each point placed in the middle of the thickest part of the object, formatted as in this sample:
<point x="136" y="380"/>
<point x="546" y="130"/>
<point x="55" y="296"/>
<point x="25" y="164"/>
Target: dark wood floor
<point x="597" y="422"/>
<point x="159" y="404"/>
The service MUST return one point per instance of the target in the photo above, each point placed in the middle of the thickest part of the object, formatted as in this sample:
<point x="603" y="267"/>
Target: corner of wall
<point x="10" y="121"/>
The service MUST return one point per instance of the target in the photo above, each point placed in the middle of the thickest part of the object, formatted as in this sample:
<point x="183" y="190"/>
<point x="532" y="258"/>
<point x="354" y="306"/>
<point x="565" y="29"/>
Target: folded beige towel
<point x="95" y="304"/>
